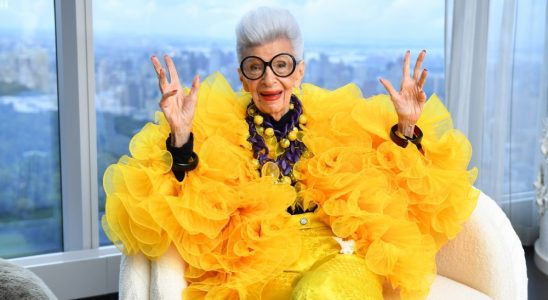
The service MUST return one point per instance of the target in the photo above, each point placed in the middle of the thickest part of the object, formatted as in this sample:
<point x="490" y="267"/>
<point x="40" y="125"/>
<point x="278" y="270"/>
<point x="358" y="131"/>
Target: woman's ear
<point x="243" y="81"/>
<point x="300" y="73"/>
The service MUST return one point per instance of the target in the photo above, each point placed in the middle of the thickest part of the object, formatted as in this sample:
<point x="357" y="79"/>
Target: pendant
<point x="270" y="169"/>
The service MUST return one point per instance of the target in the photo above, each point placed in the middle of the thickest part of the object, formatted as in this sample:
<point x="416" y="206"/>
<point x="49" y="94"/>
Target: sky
<point x="343" y="21"/>
<point x="319" y="19"/>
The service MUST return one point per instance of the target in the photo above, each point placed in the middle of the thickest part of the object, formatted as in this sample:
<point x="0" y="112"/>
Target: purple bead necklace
<point x="288" y="138"/>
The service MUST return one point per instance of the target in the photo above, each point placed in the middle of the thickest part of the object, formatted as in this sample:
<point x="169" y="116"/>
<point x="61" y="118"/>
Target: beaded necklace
<point x="276" y="151"/>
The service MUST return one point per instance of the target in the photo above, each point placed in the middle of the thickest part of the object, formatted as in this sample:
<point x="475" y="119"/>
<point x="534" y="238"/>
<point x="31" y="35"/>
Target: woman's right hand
<point x="177" y="107"/>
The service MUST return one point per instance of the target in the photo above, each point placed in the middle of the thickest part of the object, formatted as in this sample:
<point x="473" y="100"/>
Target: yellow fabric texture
<point x="231" y="226"/>
<point x="321" y="272"/>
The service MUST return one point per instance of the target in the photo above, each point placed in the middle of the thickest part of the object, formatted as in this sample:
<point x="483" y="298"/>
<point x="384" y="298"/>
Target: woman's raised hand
<point x="409" y="101"/>
<point x="176" y="106"/>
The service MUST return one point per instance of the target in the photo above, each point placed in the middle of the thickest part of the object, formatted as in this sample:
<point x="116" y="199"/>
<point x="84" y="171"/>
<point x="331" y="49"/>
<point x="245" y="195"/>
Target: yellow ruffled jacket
<point x="231" y="226"/>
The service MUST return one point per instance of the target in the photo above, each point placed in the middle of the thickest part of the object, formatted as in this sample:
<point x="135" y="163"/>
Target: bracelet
<point x="189" y="166"/>
<point x="403" y="142"/>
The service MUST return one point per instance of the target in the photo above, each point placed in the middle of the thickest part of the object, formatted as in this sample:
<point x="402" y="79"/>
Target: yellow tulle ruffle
<point x="232" y="228"/>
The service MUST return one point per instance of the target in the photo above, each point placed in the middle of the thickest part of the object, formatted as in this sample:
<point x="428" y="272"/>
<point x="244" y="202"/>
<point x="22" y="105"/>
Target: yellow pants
<point x="322" y="272"/>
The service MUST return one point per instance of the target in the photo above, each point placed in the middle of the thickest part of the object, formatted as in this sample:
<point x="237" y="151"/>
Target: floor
<point x="538" y="281"/>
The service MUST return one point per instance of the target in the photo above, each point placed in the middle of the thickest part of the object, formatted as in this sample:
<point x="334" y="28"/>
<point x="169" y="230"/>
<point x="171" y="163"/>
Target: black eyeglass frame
<point x="269" y="64"/>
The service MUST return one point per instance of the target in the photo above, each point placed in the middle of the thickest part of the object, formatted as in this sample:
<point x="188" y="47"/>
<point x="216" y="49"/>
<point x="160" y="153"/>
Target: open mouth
<point x="271" y="95"/>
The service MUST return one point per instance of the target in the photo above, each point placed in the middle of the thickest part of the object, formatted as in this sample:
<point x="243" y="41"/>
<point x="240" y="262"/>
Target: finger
<point x="389" y="88"/>
<point x="162" y="80"/>
<point x="169" y="94"/>
<point x="418" y="65"/>
<point x="156" y="63"/>
<point x="195" y="88"/>
<point x="406" y="64"/>
<point x="171" y="68"/>
<point x="166" y="96"/>
<point x="422" y="80"/>
<point x="195" y="84"/>
<point x="422" y="96"/>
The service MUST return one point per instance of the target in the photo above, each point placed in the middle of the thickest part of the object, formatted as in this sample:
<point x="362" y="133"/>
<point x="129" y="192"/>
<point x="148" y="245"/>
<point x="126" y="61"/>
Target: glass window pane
<point x="361" y="41"/>
<point x="30" y="205"/>
<point x="527" y="112"/>
<point x="526" y="128"/>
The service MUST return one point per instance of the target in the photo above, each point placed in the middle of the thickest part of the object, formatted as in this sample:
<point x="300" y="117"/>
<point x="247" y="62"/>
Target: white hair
<point x="265" y="24"/>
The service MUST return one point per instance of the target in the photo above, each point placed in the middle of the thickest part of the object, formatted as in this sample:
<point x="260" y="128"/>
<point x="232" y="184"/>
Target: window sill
<point x="77" y="274"/>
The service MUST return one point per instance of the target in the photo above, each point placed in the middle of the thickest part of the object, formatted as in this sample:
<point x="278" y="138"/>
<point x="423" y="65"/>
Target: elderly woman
<point x="288" y="191"/>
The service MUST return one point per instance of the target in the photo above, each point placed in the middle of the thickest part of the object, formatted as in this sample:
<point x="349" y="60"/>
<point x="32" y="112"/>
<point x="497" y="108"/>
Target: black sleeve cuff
<point x="180" y="155"/>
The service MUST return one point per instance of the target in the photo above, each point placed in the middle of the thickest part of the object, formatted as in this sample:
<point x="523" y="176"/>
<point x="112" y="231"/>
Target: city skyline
<point x="328" y="67"/>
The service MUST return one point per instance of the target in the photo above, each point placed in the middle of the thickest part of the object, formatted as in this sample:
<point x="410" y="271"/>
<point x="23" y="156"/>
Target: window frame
<point x="83" y="269"/>
<point x="76" y="80"/>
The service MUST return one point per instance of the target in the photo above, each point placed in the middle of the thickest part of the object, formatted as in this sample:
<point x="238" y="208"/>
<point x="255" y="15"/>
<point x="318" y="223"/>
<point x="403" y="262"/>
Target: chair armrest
<point x="134" y="281"/>
<point x="487" y="255"/>
<point x="142" y="279"/>
<point x="167" y="279"/>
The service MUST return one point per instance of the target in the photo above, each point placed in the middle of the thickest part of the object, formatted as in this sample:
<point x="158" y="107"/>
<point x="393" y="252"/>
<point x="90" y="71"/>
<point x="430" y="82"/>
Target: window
<point x="357" y="43"/>
<point x="527" y="110"/>
<point x="30" y="205"/>
<point x="374" y="37"/>
<point x="497" y="97"/>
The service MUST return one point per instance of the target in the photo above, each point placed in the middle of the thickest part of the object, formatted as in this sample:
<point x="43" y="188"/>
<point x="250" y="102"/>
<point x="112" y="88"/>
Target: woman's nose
<point x="269" y="76"/>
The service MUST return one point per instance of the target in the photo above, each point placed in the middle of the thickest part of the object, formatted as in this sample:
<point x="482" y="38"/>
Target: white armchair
<point x="485" y="261"/>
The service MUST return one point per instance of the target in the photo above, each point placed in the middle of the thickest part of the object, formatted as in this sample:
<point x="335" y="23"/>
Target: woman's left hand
<point x="409" y="101"/>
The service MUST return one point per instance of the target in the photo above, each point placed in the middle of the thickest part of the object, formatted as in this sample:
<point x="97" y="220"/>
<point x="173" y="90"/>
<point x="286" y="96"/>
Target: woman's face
<point x="271" y="94"/>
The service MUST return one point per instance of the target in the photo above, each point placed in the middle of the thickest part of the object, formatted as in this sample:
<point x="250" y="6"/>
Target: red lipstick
<point x="271" y="95"/>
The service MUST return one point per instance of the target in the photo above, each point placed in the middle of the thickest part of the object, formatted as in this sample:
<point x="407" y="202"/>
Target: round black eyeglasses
<point x="282" y="65"/>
